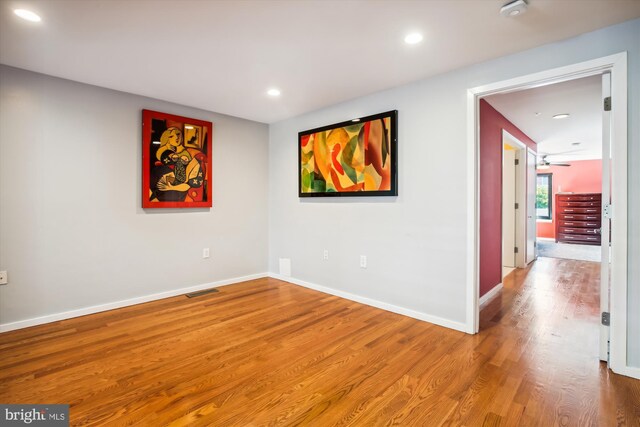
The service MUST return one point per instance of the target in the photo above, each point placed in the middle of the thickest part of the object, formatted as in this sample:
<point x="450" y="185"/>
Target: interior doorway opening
<point x="570" y="129"/>
<point x="517" y="232"/>
<point x="615" y="66"/>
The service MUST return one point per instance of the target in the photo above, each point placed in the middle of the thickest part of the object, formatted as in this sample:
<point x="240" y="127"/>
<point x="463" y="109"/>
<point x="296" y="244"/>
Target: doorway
<point x="565" y="120"/>
<point x="516" y="231"/>
<point x="616" y="66"/>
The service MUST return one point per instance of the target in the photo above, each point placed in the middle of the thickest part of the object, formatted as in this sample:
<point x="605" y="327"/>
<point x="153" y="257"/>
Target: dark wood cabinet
<point x="578" y="218"/>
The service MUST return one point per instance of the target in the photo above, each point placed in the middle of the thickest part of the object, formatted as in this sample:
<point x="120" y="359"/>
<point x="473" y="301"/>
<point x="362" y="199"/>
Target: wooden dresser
<point x="578" y="218"/>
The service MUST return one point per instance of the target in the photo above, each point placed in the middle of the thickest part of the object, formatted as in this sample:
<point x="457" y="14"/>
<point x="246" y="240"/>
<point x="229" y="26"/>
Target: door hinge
<point x="535" y="244"/>
<point x="517" y="206"/>
<point x="517" y="162"/>
<point x="607" y="103"/>
<point x="606" y="318"/>
<point x="607" y="210"/>
<point x="515" y="250"/>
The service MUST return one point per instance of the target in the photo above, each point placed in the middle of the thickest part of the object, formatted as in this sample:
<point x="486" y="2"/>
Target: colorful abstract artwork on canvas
<point x="353" y="158"/>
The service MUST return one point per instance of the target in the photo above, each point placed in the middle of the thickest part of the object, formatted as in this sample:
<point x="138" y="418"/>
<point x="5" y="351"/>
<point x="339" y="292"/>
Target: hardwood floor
<point x="267" y="352"/>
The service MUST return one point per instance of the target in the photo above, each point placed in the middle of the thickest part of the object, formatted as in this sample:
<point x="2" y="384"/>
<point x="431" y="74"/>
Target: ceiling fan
<point x="544" y="163"/>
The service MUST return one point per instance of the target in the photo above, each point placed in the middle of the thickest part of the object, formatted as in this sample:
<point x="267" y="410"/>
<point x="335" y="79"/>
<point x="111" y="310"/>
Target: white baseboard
<point x="375" y="303"/>
<point x="629" y="371"/>
<point x="491" y="294"/>
<point x="124" y="303"/>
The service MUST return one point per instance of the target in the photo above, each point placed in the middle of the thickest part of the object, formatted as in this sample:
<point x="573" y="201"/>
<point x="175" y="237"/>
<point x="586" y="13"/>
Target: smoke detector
<point x="514" y="8"/>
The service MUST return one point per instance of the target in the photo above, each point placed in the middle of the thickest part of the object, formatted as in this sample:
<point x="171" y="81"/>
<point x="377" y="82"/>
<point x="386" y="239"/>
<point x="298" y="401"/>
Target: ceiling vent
<point x="514" y="8"/>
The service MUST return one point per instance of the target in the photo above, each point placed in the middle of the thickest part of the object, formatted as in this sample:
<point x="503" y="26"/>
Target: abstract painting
<point x="176" y="161"/>
<point x="353" y="158"/>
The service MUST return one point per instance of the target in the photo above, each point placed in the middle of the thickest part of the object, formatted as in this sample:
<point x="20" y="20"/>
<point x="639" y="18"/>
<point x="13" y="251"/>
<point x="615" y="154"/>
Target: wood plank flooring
<point x="267" y="352"/>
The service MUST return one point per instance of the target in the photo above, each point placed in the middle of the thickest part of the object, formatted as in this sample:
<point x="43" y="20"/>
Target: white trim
<point x="458" y="326"/>
<point x="473" y="214"/>
<point x="5" y="327"/>
<point x="617" y="65"/>
<point x="520" y="237"/>
<point x="546" y="239"/>
<point x="630" y="371"/>
<point x="531" y="208"/>
<point x="619" y="194"/>
<point x="605" y="229"/>
<point x="491" y="294"/>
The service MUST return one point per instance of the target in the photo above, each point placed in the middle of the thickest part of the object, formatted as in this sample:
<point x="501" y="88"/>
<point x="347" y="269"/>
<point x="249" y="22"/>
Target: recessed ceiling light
<point x="27" y="15"/>
<point x="413" y="38"/>
<point x="561" y="116"/>
<point x="273" y="92"/>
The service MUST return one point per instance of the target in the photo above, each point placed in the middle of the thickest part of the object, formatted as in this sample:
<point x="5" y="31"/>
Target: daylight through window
<point x="543" y="196"/>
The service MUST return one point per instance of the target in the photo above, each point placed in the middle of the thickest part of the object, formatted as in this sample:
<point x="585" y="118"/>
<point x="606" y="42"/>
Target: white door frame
<point x="605" y="229"/>
<point x="531" y="228"/>
<point x="520" y="217"/>
<point x="617" y="66"/>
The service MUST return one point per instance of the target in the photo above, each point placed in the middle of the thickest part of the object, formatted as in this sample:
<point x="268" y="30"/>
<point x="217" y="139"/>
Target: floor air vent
<point x="200" y="293"/>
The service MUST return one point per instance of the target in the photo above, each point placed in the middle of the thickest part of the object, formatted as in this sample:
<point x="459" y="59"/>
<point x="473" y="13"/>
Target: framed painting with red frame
<point x="176" y="161"/>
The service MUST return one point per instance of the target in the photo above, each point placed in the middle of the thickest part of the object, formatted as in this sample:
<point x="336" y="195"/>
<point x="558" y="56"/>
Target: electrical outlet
<point x="205" y="253"/>
<point x="325" y="255"/>
<point x="3" y="278"/>
<point x="363" y="261"/>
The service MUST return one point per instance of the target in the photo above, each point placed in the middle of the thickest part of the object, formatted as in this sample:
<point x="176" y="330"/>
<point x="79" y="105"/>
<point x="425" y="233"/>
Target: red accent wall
<point x="583" y="176"/>
<point x="491" y="125"/>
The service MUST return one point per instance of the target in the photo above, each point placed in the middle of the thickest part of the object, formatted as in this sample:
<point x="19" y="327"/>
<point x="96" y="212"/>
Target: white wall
<point x="416" y="242"/>
<point x="72" y="230"/>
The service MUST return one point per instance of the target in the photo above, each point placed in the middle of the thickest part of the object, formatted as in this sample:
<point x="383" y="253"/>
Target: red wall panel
<point x="491" y="125"/>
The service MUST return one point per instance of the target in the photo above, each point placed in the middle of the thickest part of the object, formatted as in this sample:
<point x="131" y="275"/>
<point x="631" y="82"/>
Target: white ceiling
<point x="223" y="55"/>
<point x="531" y="111"/>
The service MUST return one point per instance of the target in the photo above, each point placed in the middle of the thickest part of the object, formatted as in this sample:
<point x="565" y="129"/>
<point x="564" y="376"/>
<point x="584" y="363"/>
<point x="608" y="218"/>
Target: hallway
<point x="543" y="328"/>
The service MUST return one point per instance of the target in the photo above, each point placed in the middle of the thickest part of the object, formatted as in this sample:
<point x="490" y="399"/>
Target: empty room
<point x="325" y="213"/>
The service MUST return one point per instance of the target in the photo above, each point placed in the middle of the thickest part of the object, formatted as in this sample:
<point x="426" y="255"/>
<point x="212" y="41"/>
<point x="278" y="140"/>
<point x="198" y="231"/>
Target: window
<point x="543" y="196"/>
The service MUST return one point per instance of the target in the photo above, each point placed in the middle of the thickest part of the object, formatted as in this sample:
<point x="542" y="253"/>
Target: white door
<point x="606" y="217"/>
<point x="530" y="252"/>
<point x="508" y="208"/>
